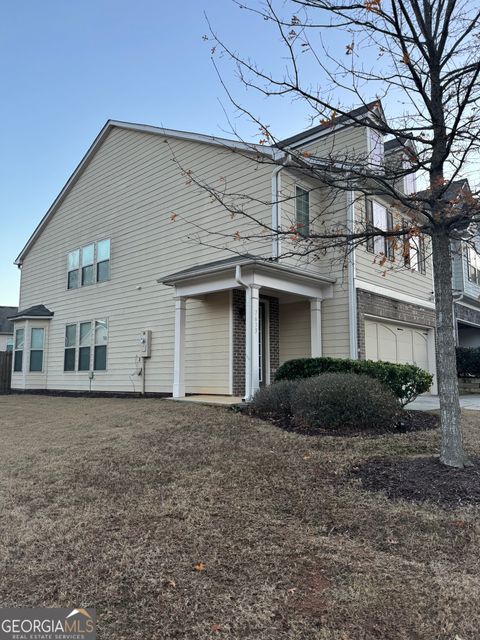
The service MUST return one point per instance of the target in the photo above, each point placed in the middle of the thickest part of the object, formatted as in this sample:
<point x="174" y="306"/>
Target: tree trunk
<point x="451" y="452"/>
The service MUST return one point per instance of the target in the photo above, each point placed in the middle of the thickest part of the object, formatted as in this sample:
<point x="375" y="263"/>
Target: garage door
<point x="396" y="343"/>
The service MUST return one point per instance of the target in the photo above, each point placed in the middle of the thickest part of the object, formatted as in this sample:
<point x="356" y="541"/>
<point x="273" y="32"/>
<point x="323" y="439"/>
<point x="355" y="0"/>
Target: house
<point x="6" y="328"/>
<point x="466" y="277"/>
<point x="140" y="279"/>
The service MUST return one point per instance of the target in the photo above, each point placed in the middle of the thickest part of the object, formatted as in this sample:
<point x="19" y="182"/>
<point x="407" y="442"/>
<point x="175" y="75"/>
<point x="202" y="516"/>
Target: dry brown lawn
<point x="110" y="503"/>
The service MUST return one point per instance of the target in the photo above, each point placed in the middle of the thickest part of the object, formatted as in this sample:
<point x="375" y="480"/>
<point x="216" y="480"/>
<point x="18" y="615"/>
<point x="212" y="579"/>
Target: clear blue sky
<point x="66" y="66"/>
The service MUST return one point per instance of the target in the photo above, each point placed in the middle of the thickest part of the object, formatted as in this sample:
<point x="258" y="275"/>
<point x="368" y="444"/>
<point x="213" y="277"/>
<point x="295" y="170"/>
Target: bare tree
<point x="424" y="57"/>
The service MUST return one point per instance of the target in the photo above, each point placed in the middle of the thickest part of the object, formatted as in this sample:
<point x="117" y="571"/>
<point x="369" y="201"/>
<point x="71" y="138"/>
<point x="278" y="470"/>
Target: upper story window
<point x="473" y="265"/>
<point x="379" y="218"/>
<point x="89" y="264"/>
<point x="73" y="267"/>
<point x="18" y="351"/>
<point x="88" y="256"/>
<point x="302" y="211"/>
<point x="37" y="339"/>
<point x="414" y="256"/>
<point x="376" y="149"/>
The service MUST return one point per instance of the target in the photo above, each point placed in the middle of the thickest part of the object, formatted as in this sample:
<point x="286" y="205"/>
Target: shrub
<point x="275" y="401"/>
<point x="406" y="381"/>
<point x="468" y="361"/>
<point x="345" y="400"/>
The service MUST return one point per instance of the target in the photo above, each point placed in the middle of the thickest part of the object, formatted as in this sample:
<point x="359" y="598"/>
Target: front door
<point x="262" y="343"/>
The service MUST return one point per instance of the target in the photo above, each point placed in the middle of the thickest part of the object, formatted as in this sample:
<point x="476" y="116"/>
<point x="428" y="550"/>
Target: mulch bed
<point x="421" y="479"/>
<point x="409" y="421"/>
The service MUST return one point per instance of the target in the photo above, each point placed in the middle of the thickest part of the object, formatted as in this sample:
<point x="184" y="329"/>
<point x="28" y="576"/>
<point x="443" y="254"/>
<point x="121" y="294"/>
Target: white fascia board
<point x="269" y="152"/>
<point x="237" y="145"/>
<point x="31" y="318"/>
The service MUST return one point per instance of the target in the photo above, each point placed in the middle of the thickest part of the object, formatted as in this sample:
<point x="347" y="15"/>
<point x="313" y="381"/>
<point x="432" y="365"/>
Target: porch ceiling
<point x="248" y="271"/>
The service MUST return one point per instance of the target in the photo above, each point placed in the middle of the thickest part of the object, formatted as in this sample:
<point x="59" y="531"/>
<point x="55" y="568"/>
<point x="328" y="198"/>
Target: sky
<point x="67" y="66"/>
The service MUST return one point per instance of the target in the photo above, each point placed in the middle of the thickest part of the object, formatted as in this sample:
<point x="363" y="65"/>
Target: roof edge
<point x="267" y="151"/>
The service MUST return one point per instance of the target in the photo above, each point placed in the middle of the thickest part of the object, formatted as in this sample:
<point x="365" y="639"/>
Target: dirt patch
<point x="422" y="479"/>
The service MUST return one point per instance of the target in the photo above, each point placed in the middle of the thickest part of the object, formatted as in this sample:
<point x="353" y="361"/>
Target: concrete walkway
<point x="427" y="403"/>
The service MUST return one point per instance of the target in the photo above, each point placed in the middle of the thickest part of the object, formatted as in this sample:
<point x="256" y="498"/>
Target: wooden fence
<point x="5" y="371"/>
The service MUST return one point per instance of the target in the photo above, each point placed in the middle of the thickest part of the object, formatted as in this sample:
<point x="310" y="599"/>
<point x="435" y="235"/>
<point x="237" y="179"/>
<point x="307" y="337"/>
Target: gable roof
<point x="5" y="325"/>
<point x="38" y="311"/>
<point x="347" y="119"/>
<point x="233" y="145"/>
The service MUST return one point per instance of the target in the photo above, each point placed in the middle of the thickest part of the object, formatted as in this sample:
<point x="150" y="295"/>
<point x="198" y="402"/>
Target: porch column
<point x="252" y="321"/>
<point x="179" y="349"/>
<point x="316" y="327"/>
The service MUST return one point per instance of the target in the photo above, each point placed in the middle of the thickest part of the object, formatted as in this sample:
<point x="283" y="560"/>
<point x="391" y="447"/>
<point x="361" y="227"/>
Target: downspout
<point x="277" y="210"/>
<point x="248" y="332"/>
<point x="352" y="289"/>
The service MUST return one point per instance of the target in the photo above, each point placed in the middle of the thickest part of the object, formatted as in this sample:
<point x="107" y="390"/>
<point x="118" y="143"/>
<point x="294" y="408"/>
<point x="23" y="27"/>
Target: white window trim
<point x="94" y="264"/>
<point x="307" y="189"/>
<point x="92" y="346"/>
<point x="43" y="350"/>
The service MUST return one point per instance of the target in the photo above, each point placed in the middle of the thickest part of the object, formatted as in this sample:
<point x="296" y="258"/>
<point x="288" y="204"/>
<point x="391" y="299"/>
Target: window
<point x="18" y="355"/>
<point x="36" y="349"/>
<point x="379" y="218"/>
<point x="88" y="272"/>
<point x="89" y="265"/>
<point x="73" y="267"/>
<point x="103" y="260"/>
<point x="302" y="211"/>
<point x="70" y="347"/>
<point x="376" y="149"/>
<point x="473" y="265"/>
<point x="410" y="180"/>
<point x="9" y="345"/>
<point x="84" y="346"/>
<point x="90" y="334"/>
<point x="100" y="349"/>
<point x="414" y="252"/>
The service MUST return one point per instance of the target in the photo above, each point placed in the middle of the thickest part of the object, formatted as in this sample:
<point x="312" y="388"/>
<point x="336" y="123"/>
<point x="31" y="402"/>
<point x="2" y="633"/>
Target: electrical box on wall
<point x="145" y="350"/>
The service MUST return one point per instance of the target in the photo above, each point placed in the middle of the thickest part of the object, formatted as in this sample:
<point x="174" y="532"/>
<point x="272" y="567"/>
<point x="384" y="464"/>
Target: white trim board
<point x="396" y="295"/>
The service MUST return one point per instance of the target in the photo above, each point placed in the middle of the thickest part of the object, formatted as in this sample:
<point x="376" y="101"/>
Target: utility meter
<point x="145" y="350"/>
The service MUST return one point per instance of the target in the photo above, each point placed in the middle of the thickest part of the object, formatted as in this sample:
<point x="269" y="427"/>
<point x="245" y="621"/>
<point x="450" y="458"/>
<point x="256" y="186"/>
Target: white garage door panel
<point x="395" y="343"/>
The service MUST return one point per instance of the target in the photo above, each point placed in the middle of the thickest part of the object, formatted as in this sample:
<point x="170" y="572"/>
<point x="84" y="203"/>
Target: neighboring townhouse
<point x="139" y="280"/>
<point x="6" y="328"/>
<point x="466" y="277"/>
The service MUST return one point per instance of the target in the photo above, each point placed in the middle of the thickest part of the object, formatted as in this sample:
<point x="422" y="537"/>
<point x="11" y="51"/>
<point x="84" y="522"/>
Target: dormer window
<point x="375" y="149"/>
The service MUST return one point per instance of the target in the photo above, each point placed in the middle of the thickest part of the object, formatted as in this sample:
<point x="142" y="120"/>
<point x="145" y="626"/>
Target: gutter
<point x="352" y="288"/>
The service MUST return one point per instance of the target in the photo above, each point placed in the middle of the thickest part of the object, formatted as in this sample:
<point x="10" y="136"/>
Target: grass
<point x="110" y="503"/>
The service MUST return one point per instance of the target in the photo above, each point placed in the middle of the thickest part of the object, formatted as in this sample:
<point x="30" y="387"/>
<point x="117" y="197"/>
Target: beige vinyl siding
<point x="397" y="279"/>
<point x="343" y="143"/>
<point x="328" y="209"/>
<point x="207" y="348"/>
<point x="294" y="330"/>
<point x="128" y="193"/>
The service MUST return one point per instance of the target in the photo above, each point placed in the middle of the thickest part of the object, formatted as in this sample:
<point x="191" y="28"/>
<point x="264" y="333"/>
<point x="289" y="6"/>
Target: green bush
<point x="344" y="400"/>
<point x="468" y="361"/>
<point x="275" y="401"/>
<point x="406" y="381"/>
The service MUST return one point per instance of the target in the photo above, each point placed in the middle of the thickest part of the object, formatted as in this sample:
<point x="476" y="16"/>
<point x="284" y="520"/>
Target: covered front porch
<point x="275" y="312"/>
